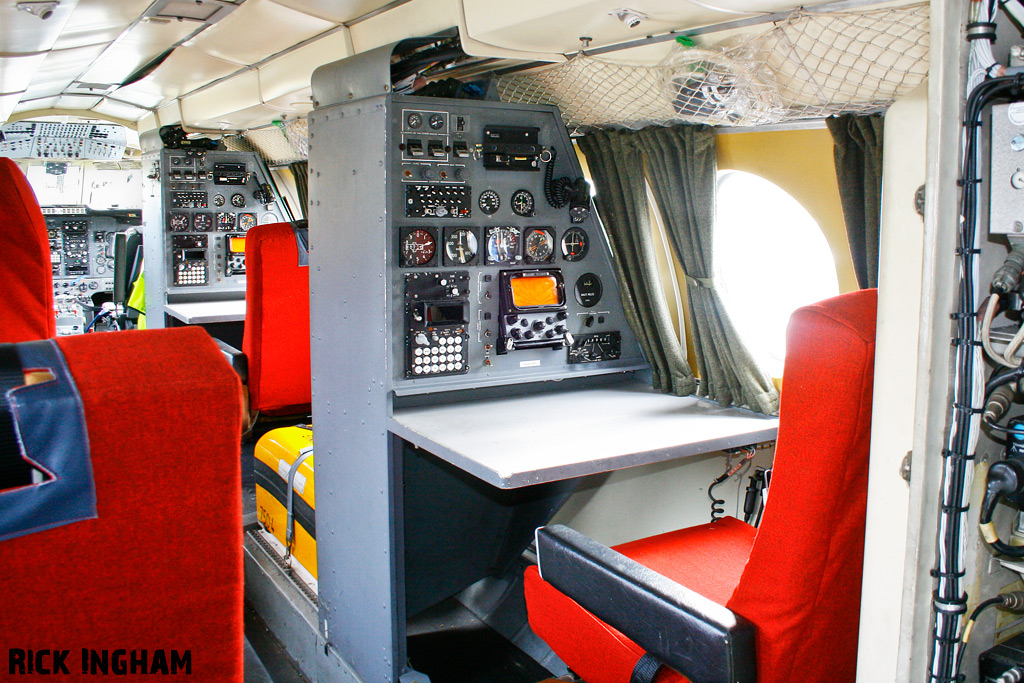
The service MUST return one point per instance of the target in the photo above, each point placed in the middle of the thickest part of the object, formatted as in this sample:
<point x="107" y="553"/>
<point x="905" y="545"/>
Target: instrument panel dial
<point x="218" y="200"/>
<point x="460" y="246"/>
<point x="238" y="200"/>
<point x="489" y="202"/>
<point x="502" y="245"/>
<point x="246" y="220"/>
<point x="202" y="222"/>
<point x="575" y="244"/>
<point x="414" y="120"/>
<point x="179" y="222"/>
<point x="523" y="203"/>
<point x="418" y="247"/>
<point x="539" y="245"/>
<point x="436" y="121"/>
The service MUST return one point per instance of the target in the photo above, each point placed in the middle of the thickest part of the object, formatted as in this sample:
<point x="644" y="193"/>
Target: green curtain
<point x="682" y="171"/>
<point x="858" y="156"/>
<point x="300" y="170"/>
<point x="617" y="168"/>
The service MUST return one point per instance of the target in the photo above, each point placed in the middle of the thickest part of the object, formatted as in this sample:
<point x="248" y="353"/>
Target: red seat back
<point x="26" y="276"/>
<point x="161" y="565"/>
<point x="801" y="585"/>
<point x="276" y="341"/>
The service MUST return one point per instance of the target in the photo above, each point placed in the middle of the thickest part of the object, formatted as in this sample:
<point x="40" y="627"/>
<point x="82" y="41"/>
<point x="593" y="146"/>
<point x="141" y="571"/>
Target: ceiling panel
<point x="235" y="93"/>
<point x="78" y="101"/>
<point x="182" y="72"/>
<point x="257" y="30"/>
<point x="95" y="21"/>
<point x="7" y="104"/>
<point x="27" y="104"/>
<point x="120" y="110"/>
<point x="292" y="71"/>
<point x="141" y="98"/>
<point x="335" y="10"/>
<point x="16" y="72"/>
<point x="135" y="49"/>
<point x="242" y="119"/>
<point x="23" y="32"/>
<point x="66" y="65"/>
<point x="540" y="25"/>
<point x="298" y="103"/>
<point x="428" y="16"/>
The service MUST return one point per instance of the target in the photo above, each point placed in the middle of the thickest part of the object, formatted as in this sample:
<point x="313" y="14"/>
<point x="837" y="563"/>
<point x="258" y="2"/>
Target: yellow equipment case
<point x="276" y="454"/>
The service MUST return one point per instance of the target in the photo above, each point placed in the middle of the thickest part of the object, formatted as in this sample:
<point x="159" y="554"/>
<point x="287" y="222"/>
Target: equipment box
<point x="277" y="453"/>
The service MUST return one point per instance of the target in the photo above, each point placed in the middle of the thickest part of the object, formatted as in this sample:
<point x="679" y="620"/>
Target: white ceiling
<point x="254" y="65"/>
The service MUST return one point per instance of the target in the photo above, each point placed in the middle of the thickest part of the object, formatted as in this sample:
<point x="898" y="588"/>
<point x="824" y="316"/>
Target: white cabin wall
<point x="642" y="501"/>
<point x="892" y="420"/>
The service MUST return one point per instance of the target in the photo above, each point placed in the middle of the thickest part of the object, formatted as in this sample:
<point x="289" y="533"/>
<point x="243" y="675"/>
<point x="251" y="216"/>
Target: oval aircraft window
<point x="770" y="258"/>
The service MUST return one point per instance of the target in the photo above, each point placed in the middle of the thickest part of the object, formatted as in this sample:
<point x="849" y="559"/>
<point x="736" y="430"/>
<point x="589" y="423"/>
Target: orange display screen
<point x="530" y="292"/>
<point x="237" y="244"/>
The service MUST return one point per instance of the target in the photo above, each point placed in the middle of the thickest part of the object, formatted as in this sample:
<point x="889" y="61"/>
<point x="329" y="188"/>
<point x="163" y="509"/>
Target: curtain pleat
<point x="858" y="157"/>
<point x="300" y="171"/>
<point x="617" y="169"/>
<point x="682" y="171"/>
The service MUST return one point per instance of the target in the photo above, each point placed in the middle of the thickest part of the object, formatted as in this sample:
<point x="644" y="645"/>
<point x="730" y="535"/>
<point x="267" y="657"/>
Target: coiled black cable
<point x="717" y="504"/>
<point x="559" y="191"/>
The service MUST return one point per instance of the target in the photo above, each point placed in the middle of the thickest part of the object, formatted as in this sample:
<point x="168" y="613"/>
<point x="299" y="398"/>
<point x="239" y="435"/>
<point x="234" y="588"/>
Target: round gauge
<point x="418" y="247"/>
<point x="436" y="121"/>
<point x="502" y="245"/>
<point x="414" y="120"/>
<point x="218" y="200"/>
<point x="179" y="222"/>
<point x="539" y="245"/>
<point x="460" y="246"/>
<point x="246" y="220"/>
<point x="588" y="290"/>
<point x="238" y="199"/>
<point x="202" y="222"/>
<point x="522" y="203"/>
<point x="489" y="201"/>
<point x="574" y="244"/>
<point x="268" y="218"/>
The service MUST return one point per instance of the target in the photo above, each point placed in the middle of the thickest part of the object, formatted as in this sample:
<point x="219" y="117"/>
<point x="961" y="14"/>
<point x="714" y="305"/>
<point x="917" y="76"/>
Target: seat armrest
<point x="239" y="363"/>
<point x="704" y="641"/>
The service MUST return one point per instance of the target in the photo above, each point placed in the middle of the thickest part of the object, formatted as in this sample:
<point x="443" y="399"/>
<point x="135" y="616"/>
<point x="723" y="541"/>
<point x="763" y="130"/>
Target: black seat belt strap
<point x="14" y="470"/>
<point x="647" y="667"/>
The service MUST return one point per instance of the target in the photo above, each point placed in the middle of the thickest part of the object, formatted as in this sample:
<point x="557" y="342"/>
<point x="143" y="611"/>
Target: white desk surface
<point x="199" y="312"/>
<point x="520" y="440"/>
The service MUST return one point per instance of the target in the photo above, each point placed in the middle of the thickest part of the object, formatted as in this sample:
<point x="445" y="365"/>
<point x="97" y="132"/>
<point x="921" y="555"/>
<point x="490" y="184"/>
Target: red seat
<point x="161" y="565"/>
<point x="26" y="307"/>
<point x="797" y="577"/>
<point x="276" y="338"/>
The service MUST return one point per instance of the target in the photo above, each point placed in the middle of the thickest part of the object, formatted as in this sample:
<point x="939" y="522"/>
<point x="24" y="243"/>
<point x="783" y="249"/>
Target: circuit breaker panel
<point x="499" y="271"/>
<point x="199" y="205"/>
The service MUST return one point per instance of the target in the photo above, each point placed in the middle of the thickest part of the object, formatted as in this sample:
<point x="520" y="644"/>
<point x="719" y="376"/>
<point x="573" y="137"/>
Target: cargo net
<point x="810" y="65"/>
<point x="283" y="143"/>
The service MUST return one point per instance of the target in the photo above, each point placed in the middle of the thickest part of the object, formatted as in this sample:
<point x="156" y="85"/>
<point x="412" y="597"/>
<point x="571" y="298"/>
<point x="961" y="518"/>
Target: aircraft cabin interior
<point x="453" y="341"/>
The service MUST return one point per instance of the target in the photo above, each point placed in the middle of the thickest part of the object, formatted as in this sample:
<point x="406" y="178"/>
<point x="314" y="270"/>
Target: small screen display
<point x="442" y="313"/>
<point x="535" y="291"/>
<point x="237" y="244"/>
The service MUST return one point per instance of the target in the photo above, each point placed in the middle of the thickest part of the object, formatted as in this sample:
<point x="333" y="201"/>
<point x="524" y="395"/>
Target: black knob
<point x="516" y="333"/>
<point x="549" y="320"/>
<point x="512" y="319"/>
<point x="549" y="334"/>
<point x="560" y="329"/>
<point x="528" y="334"/>
<point x="562" y="315"/>
<point x="524" y="323"/>
<point x="538" y="325"/>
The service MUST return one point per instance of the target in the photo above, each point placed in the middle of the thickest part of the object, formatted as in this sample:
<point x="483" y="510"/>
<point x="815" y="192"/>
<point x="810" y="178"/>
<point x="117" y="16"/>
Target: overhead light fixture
<point x="630" y="17"/>
<point x="43" y="10"/>
<point x="203" y="11"/>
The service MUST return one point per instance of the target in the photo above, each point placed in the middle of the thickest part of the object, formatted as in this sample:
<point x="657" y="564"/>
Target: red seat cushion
<point x="708" y="559"/>
<point x="26" y="307"/>
<point x="161" y="566"/>
<point x="276" y="341"/>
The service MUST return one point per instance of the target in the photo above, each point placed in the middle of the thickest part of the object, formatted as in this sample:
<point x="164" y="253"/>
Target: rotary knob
<point x="529" y="334"/>
<point x="538" y="325"/>
<point x="549" y="334"/>
<point x="562" y="315"/>
<point x="560" y="329"/>
<point x="516" y="333"/>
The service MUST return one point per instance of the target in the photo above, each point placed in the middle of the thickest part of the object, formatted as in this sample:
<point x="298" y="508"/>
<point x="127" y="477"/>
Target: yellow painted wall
<point x="801" y="163"/>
